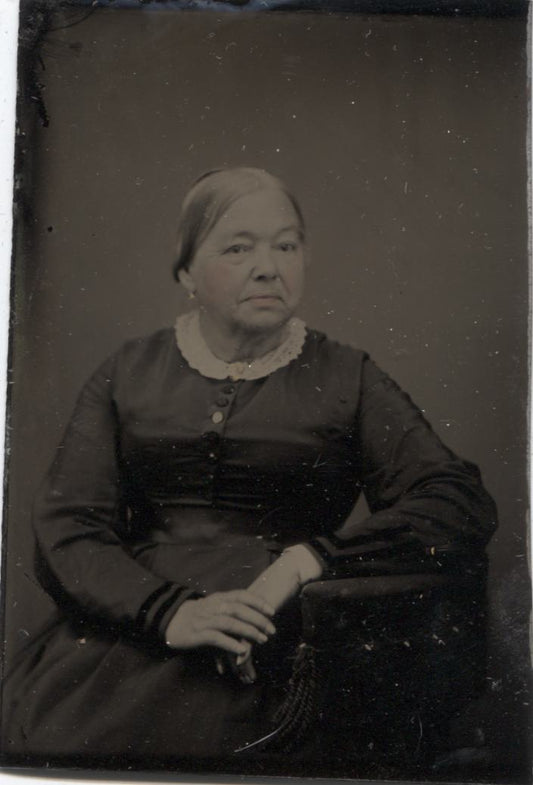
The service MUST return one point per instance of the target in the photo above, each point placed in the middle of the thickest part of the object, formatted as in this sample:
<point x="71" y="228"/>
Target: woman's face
<point x="248" y="272"/>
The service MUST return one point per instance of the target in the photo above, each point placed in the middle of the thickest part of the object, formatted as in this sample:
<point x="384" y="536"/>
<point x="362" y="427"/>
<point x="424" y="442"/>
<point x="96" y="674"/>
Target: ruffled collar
<point x="199" y="356"/>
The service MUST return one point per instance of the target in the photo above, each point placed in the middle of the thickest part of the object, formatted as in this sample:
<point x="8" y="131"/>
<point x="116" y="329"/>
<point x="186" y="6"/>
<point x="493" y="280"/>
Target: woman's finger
<point x="238" y="628"/>
<point x="246" y="672"/>
<point x="243" y="670"/>
<point x="243" y="667"/>
<point x="250" y="599"/>
<point x="249" y="615"/>
<point x="221" y="641"/>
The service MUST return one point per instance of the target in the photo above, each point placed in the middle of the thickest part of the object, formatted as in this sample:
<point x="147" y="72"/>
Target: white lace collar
<point x="199" y="356"/>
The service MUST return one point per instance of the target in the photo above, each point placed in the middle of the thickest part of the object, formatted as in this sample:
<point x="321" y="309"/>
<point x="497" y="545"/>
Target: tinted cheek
<point x="295" y="279"/>
<point x="221" y="282"/>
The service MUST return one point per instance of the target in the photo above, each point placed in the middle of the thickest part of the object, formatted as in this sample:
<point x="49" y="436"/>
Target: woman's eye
<point x="287" y="247"/>
<point x="236" y="249"/>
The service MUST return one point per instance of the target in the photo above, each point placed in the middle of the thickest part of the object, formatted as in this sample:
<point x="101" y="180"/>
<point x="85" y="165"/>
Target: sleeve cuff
<point x="156" y="617"/>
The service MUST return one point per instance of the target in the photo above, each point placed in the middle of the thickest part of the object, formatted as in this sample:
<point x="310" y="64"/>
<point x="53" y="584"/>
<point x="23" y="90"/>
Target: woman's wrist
<point x="284" y="578"/>
<point x="307" y="567"/>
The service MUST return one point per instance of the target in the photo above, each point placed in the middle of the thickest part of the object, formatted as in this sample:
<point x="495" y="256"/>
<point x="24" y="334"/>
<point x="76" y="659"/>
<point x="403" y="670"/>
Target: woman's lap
<point x="88" y="694"/>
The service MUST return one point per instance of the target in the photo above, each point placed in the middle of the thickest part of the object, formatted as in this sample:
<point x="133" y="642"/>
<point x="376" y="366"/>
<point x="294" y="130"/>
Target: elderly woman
<point x="204" y="479"/>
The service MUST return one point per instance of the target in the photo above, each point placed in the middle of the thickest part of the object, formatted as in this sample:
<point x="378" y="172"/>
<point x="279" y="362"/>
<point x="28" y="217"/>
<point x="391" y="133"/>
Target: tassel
<point x="298" y="710"/>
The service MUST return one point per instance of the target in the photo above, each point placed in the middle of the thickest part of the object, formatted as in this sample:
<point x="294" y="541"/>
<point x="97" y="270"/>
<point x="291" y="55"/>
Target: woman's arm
<point x="426" y="504"/>
<point x="429" y="509"/>
<point x="77" y="514"/>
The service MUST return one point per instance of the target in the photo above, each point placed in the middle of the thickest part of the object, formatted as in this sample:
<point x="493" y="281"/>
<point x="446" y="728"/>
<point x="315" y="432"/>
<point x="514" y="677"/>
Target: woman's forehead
<point x="268" y="210"/>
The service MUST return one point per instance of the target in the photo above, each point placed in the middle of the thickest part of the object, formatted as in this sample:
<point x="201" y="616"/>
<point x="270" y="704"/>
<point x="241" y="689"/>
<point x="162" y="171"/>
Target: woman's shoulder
<point x="328" y="350"/>
<point x="157" y="341"/>
<point x="135" y="355"/>
<point x="342" y="361"/>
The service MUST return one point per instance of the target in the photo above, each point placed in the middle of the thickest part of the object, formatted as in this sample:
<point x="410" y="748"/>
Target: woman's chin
<point x="266" y="319"/>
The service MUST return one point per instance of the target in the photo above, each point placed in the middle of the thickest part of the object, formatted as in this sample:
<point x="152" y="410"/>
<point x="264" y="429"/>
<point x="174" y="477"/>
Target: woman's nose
<point x="265" y="263"/>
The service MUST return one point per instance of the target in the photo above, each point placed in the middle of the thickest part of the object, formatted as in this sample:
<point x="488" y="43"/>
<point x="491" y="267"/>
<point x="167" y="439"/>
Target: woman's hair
<point x="210" y="197"/>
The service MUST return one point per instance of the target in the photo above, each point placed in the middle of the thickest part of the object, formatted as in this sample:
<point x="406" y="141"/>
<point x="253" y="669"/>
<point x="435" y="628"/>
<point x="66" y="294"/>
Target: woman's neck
<point x="239" y="346"/>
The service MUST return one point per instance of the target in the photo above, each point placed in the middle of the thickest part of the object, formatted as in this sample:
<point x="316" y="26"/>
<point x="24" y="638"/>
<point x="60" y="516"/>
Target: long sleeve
<point x="77" y="521"/>
<point x="427" y="506"/>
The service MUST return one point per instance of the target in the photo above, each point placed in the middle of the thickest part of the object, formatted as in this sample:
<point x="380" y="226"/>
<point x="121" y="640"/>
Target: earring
<point x="191" y="295"/>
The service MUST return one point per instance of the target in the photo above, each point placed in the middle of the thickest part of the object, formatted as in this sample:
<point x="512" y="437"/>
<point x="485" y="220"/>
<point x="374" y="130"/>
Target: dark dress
<point x="151" y="501"/>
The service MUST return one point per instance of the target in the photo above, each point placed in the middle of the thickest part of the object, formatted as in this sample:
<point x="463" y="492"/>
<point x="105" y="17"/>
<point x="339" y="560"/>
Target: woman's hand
<point x="282" y="580"/>
<point x="222" y="620"/>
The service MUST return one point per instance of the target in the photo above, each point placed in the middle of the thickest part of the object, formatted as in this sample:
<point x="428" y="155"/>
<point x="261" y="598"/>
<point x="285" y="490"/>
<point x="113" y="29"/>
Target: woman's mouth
<point x="266" y="298"/>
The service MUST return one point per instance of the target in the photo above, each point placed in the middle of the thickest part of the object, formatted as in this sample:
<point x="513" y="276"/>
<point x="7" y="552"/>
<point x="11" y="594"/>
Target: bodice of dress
<point x="278" y="451"/>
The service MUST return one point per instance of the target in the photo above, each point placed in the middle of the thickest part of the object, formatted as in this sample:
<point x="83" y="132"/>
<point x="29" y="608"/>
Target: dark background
<point x="404" y="138"/>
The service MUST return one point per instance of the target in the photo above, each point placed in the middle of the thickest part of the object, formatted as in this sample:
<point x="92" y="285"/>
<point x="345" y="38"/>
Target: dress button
<point x="229" y="389"/>
<point x="222" y="401"/>
<point x="217" y="417"/>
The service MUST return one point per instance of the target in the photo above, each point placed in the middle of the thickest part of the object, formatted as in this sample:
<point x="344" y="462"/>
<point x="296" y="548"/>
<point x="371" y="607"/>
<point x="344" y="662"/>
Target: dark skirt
<point x="76" y="692"/>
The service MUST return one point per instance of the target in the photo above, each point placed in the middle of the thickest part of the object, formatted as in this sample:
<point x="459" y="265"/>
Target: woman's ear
<point x="185" y="279"/>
